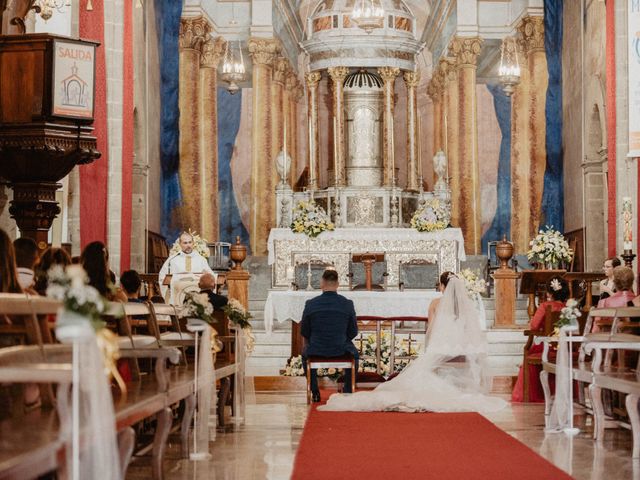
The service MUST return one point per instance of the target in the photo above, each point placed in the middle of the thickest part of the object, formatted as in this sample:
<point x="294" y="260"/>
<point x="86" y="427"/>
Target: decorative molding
<point x="465" y="50"/>
<point x="193" y="32"/>
<point x="212" y="51"/>
<point x="264" y="50"/>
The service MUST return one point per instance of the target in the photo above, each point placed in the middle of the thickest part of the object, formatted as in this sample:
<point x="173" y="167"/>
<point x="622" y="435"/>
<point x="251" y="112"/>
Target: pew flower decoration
<point x="79" y="299"/>
<point x="568" y="315"/>
<point x="294" y="369"/>
<point x="432" y="216"/>
<point x="310" y="219"/>
<point x="474" y="284"/>
<point x="197" y="305"/>
<point x="238" y="315"/>
<point x="549" y="248"/>
<point x="199" y="245"/>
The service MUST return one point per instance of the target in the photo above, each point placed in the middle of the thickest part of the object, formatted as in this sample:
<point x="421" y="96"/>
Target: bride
<point x="449" y="376"/>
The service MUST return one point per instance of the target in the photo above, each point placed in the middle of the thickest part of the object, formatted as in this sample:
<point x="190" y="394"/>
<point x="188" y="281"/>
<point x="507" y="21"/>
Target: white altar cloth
<point x="282" y="305"/>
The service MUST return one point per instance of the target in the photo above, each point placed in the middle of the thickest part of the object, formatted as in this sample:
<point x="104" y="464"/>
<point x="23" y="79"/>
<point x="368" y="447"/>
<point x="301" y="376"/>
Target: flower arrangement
<point x="367" y="345"/>
<point x="310" y="219"/>
<point x="474" y="284"/>
<point x="71" y="287"/>
<point x="569" y="314"/>
<point x="550" y="248"/>
<point x="294" y="368"/>
<point x="238" y="315"/>
<point x="197" y="305"/>
<point x="432" y="216"/>
<point x="199" y="245"/>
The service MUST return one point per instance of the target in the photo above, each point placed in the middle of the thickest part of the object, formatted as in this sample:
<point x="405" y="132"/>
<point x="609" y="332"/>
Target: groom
<point x="329" y="326"/>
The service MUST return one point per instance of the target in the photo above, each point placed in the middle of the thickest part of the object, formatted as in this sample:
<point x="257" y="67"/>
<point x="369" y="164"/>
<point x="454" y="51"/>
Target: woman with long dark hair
<point x="51" y="256"/>
<point x="94" y="260"/>
<point x="8" y="274"/>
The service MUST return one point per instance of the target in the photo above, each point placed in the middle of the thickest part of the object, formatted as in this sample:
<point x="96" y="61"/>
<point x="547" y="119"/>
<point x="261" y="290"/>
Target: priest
<point x="182" y="269"/>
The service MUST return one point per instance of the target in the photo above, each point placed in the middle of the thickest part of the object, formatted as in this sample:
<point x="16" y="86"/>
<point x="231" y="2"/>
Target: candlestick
<point x="627" y="221"/>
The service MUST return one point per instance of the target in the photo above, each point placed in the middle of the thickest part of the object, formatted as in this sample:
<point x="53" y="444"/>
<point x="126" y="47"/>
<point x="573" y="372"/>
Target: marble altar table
<point x="286" y="249"/>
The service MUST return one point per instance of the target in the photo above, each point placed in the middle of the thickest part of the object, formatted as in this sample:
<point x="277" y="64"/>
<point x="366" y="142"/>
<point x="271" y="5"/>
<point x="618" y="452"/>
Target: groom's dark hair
<point x="330" y="276"/>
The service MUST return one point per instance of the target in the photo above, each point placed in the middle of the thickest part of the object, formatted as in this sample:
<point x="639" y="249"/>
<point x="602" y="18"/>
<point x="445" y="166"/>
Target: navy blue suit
<point x="329" y="326"/>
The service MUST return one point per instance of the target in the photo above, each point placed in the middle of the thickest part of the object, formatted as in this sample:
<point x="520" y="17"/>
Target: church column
<point x="466" y="52"/>
<point x="450" y="135"/>
<point x="337" y="75"/>
<point x="262" y="211"/>
<point x="532" y="29"/>
<point x="388" y="75"/>
<point x="212" y="51"/>
<point x="435" y="94"/>
<point x="287" y="107"/>
<point x="520" y="139"/>
<point x="280" y="67"/>
<point x="313" y="78"/>
<point x="296" y="149"/>
<point x="193" y="33"/>
<point x="411" y="80"/>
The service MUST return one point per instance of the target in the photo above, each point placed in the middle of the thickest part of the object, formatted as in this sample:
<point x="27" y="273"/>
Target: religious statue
<point x="440" y="169"/>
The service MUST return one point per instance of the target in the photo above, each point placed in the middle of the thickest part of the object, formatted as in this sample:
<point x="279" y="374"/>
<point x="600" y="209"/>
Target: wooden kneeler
<point x="344" y="361"/>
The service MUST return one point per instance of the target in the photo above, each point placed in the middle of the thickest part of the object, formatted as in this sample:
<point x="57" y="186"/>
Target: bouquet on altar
<point x="238" y="315"/>
<point x="473" y="282"/>
<point x="310" y="219"/>
<point x="199" y="245"/>
<point x="432" y="216"/>
<point x="549" y="248"/>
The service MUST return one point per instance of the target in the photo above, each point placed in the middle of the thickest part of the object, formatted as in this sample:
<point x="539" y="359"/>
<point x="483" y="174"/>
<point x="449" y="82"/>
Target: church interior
<point x="180" y="181"/>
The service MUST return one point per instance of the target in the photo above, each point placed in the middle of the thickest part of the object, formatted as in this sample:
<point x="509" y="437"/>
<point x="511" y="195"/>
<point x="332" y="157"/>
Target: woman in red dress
<point x="557" y="294"/>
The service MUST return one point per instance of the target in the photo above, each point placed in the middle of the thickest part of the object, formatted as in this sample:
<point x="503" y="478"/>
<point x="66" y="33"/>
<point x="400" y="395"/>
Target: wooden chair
<point x="344" y="361"/>
<point x="550" y="318"/>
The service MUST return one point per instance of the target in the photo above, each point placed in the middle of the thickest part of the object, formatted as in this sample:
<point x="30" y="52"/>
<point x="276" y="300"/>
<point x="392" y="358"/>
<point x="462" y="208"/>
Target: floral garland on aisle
<point x="199" y="245"/>
<point x="432" y="216"/>
<point x="310" y="219"/>
<point x="238" y="315"/>
<point x="474" y="284"/>
<point x="197" y="305"/>
<point x="549" y="248"/>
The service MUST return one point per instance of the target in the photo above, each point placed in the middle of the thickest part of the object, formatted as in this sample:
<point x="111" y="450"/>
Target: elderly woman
<point x="623" y="278"/>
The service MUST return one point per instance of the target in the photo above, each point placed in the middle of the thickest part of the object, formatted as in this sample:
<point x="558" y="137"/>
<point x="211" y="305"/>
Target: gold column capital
<point x="194" y="31"/>
<point x="532" y="30"/>
<point x="465" y="50"/>
<point x="212" y="52"/>
<point x="337" y="74"/>
<point x="280" y="68"/>
<point x="388" y="74"/>
<point x="412" y="79"/>
<point x="263" y="50"/>
<point x="313" y="78"/>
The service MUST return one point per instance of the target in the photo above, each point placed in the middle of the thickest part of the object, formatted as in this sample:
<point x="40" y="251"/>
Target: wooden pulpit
<point x="367" y="259"/>
<point x="533" y="282"/>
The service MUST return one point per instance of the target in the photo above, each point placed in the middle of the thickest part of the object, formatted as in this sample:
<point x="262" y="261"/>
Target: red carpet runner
<point x="388" y="445"/>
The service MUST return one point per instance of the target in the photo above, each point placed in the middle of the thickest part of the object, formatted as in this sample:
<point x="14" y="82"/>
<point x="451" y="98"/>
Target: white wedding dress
<point x="449" y="376"/>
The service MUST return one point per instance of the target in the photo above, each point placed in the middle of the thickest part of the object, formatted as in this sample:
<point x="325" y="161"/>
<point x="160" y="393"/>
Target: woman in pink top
<point x="557" y="294"/>
<point x="623" y="282"/>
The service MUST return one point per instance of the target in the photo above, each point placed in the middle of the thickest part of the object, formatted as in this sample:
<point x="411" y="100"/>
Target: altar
<point x="287" y="249"/>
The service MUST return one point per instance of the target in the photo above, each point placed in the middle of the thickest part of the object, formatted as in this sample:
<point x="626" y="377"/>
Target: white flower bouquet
<point x="71" y="287"/>
<point x="432" y="216"/>
<point x="238" y="315"/>
<point x="199" y="245"/>
<point x="569" y="314"/>
<point x="473" y="282"/>
<point x="367" y="345"/>
<point x="549" y="248"/>
<point x="197" y="305"/>
<point x="310" y="219"/>
<point x="294" y="368"/>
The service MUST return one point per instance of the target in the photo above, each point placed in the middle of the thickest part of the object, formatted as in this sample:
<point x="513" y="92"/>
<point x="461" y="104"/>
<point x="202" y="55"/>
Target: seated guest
<point x="329" y="327"/>
<point x="130" y="282"/>
<point x="51" y="256"/>
<point x="94" y="262"/>
<point x="8" y="271"/>
<point x="207" y="285"/>
<point x="623" y="283"/>
<point x="607" y="287"/>
<point x="26" y="259"/>
<point x="557" y="295"/>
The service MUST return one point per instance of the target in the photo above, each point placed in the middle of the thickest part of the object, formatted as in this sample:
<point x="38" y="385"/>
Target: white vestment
<point x="183" y="277"/>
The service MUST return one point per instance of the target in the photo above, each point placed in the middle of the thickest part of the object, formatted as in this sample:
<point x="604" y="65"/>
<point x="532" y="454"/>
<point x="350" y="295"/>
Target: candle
<point x="627" y="222"/>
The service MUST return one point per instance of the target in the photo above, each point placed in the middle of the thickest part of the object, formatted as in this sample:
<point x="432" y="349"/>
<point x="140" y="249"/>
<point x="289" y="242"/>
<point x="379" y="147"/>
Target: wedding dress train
<point x="449" y="376"/>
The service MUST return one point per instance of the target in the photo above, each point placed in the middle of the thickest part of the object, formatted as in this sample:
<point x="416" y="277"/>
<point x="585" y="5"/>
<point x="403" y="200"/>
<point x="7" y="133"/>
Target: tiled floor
<point x="264" y="448"/>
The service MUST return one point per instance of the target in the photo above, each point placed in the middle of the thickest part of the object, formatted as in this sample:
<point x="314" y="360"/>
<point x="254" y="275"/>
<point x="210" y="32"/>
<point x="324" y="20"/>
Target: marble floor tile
<point x="264" y="447"/>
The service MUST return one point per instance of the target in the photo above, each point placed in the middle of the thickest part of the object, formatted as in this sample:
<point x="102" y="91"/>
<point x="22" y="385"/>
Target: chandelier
<point x="233" y="70"/>
<point x="509" y="71"/>
<point x="368" y="14"/>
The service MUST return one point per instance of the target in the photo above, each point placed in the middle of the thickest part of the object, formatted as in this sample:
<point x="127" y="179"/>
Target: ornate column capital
<point x="291" y="81"/>
<point x="465" y="50"/>
<point x="263" y="50"/>
<point x="532" y="31"/>
<point x="412" y="79"/>
<point x="194" y="31"/>
<point x="280" y="70"/>
<point x="313" y="78"/>
<point x="388" y="74"/>
<point x="337" y="74"/>
<point x="212" y="52"/>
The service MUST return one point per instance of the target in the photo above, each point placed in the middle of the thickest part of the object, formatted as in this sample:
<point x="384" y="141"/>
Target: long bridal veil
<point x="449" y="376"/>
